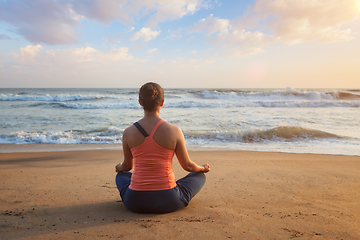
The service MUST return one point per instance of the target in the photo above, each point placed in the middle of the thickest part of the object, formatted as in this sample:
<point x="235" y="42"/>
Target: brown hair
<point x="151" y="95"/>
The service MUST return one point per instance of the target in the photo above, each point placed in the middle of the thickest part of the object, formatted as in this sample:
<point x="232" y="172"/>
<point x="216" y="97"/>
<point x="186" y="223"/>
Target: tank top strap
<point x="156" y="127"/>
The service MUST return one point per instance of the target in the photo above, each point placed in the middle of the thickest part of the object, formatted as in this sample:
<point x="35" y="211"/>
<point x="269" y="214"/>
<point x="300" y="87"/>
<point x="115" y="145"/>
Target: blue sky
<point x="187" y="43"/>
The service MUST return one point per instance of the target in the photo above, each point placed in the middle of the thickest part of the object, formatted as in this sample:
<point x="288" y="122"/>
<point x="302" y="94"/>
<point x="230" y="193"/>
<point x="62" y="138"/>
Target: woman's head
<point x="151" y="96"/>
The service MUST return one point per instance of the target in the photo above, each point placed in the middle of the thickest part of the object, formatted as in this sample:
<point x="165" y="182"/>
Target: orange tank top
<point x="152" y="165"/>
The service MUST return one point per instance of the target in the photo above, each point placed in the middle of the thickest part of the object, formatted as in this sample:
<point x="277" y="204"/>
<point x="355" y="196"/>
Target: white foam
<point x="277" y="134"/>
<point x="55" y="98"/>
<point x="107" y="135"/>
<point x="286" y="94"/>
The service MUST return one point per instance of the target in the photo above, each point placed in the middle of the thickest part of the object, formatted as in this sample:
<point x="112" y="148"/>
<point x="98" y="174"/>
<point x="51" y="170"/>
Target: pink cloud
<point x="300" y="21"/>
<point x="269" y="22"/>
<point x="54" y="22"/>
<point x="40" y="21"/>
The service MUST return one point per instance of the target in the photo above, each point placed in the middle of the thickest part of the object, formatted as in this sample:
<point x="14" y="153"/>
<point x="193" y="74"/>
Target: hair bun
<point x="154" y="93"/>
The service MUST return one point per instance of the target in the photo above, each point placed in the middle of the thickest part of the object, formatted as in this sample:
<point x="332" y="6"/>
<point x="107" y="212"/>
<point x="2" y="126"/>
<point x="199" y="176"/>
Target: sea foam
<point x="278" y="134"/>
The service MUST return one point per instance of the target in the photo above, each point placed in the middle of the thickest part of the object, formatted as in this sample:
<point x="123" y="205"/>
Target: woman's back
<point x="166" y="135"/>
<point x="153" y="163"/>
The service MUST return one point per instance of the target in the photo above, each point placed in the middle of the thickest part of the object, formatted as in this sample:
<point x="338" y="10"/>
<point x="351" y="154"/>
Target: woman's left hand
<point x="118" y="167"/>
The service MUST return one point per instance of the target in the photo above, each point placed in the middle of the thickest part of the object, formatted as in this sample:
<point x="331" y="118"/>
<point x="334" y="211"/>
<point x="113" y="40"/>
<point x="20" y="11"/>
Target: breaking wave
<point x="231" y="94"/>
<point x="287" y="94"/>
<point x="105" y="135"/>
<point x="190" y="98"/>
<point x="56" y="98"/>
<point x="278" y="134"/>
<point x="114" y="135"/>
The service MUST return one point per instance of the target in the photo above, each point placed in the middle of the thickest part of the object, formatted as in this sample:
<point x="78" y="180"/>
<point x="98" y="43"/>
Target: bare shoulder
<point x="132" y="137"/>
<point x="171" y="128"/>
<point x="129" y="130"/>
<point x="168" y="135"/>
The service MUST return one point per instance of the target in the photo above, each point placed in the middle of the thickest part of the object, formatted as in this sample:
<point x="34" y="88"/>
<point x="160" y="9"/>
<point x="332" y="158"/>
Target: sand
<point x="248" y="195"/>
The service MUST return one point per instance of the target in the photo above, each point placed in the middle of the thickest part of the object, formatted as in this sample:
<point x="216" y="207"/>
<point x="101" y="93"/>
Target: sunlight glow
<point x="357" y="6"/>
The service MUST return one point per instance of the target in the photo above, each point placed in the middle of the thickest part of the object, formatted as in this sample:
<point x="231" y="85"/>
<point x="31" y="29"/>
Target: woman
<point x="151" y="188"/>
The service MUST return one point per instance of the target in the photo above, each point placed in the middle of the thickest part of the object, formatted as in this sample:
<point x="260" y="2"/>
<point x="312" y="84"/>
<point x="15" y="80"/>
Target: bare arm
<point x="183" y="156"/>
<point x="128" y="162"/>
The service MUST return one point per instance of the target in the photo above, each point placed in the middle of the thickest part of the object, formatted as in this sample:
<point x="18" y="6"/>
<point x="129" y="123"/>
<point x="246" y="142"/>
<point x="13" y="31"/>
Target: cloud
<point x="225" y="35"/>
<point x="269" y="22"/>
<point x="40" y="21"/>
<point x="102" y="11"/>
<point x="179" y="64"/>
<point x="146" y="34"/>
<point x="151" y="50"/>
<point x="220" y="33"/>
<point x="4" y="37"/>
<point x="174" y="34"/>
<point x="300" y="21"/>
<point x="241" y="38"/>
<point x="55" y="22"/>
<point x="28" y="54"/>
<point x="90" y="54"/>
<point x="210" y="25"/>
<point x="170" y="10"/>
<point x="124" y="11"/>
<point x="31" y="55"/>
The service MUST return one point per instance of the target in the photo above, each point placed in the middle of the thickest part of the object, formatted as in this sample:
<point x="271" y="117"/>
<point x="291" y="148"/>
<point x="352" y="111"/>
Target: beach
<point x="247" y="195"/>
<point x="266" y="92"/>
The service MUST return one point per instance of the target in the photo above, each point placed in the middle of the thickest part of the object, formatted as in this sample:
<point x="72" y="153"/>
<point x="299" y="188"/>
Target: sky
<point x="180" y="43"/>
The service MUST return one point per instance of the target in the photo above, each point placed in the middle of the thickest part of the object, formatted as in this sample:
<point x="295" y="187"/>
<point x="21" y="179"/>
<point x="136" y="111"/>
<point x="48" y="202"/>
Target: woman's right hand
<point x="206" y="168"/>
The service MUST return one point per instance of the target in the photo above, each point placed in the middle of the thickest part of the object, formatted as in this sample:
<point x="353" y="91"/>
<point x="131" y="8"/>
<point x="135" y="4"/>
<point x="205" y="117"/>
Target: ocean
<point x="324" y="121"/>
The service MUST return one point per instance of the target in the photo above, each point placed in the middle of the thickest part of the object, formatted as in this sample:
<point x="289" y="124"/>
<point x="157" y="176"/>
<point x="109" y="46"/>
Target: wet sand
<point x="248" y="195"/>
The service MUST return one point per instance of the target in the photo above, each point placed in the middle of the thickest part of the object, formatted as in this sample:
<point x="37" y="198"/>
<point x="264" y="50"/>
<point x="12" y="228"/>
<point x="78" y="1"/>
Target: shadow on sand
<point x="41" y="220"/>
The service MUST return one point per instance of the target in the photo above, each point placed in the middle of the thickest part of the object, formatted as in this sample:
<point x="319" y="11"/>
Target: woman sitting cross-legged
<point x="149" y="146"/>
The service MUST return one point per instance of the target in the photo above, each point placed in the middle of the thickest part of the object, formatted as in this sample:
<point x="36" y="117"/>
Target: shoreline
<point x="247" y="195"/>
<point x="49" y="147"/>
